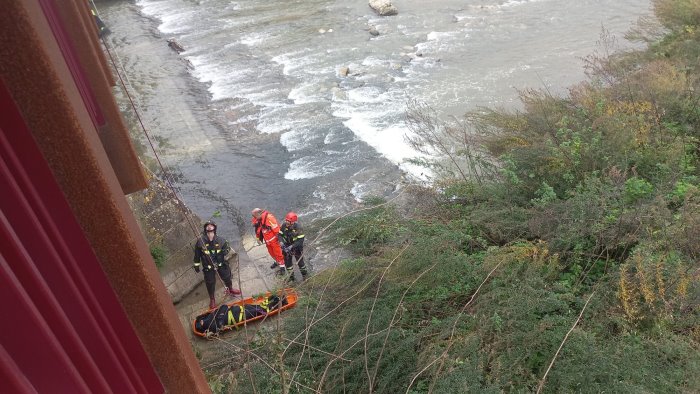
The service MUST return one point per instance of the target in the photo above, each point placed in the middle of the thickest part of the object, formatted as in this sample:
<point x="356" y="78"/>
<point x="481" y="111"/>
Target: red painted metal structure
<point x="49" y="7"/>
<point x="63" y="329"/>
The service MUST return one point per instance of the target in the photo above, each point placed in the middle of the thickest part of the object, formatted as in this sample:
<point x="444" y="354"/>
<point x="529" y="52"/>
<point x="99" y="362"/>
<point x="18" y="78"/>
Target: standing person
<point x="209" y="255"/>
<point x="292" y="240"/>
<point x="266" y="230"/>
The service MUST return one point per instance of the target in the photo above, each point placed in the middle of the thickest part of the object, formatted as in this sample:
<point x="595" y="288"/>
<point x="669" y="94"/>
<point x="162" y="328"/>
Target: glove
<point x="196" y="268"/>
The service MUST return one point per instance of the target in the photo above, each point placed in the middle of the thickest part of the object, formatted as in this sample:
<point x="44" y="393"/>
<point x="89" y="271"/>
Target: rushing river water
<point x="255" y="111"/>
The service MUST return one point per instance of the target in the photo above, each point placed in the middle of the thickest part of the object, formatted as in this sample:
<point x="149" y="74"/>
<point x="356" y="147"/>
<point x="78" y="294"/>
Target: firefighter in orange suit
<point x="266" y="230"/>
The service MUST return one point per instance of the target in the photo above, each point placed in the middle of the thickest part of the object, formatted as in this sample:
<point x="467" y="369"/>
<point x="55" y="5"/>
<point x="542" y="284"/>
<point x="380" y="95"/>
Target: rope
<point x="544" y="377"/>
<point x="322" y="232"/>
<point x="371" y="311"/>
<point x="166" y="174"/>
<point x="148" y="137"/>
<point x="454" y="328"/>
<point x="248" y="352"/>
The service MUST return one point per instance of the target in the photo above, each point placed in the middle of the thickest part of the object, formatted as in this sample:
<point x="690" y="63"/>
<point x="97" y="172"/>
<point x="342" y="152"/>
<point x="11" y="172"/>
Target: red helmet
<point x="291" y="217"/>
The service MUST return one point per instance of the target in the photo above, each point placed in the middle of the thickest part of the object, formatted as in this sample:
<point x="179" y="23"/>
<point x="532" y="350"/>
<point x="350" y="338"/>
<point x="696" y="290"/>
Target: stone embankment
<point x="170" y="229"/>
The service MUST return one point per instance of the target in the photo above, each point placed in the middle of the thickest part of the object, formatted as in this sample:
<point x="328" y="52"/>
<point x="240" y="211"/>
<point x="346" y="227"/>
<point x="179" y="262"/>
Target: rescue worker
<point x="291" y="238"/>
<point x="210" y="255"/>
<point x="266" y="230"/>
<point x="101" y="27"/>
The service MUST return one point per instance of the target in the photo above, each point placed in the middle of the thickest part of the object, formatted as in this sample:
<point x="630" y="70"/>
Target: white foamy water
<point x="279" y="66"/>
<point x="308" y="167"/>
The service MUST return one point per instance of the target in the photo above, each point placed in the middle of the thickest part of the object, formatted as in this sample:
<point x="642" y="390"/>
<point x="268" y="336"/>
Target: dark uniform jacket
<point x="291" y="235"/>
<point x="211" y="252"/>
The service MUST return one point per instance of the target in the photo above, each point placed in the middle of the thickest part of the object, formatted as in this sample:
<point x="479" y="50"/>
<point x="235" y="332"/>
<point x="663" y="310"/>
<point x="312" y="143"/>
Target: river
<point x="256" y="111"/>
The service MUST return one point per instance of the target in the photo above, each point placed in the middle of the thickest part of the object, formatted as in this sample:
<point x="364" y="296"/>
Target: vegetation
<point x="159" y="255"/>
<point x="557" y="252"/>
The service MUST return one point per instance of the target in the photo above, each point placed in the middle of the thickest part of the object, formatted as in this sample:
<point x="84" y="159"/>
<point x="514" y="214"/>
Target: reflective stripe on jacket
<point x="292" y="234"/>
<point x="210" y="253"/>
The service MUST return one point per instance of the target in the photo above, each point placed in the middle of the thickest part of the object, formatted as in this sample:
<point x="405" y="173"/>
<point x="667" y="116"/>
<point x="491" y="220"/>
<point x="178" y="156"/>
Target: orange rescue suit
<point x="266" y="230"/>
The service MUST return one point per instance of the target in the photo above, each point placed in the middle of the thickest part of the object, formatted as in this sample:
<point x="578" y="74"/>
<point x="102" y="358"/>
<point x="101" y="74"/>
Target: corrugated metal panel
<point x="62" y="325"/>
<point x="75" y="41"/>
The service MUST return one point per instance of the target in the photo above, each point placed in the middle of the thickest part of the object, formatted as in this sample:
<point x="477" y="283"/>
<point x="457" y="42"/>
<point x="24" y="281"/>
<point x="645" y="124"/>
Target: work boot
<point x="290" y="277"/>
<point x="304" y="273"/>
<point x="212" y="303"/>
<point x="274" y="265"/>
<point x="281" y="271"/>
<point x="231" y="291"/>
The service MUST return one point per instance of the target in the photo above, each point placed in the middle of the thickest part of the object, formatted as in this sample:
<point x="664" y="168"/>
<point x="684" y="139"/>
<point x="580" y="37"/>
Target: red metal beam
<point x="73" y="333"/>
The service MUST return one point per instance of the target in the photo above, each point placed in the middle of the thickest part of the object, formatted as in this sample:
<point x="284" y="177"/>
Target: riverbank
<point x="173" y="107"/>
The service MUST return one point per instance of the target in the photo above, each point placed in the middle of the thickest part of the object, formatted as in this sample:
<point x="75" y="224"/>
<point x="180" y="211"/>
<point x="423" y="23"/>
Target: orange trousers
<point x="273" y="247"/>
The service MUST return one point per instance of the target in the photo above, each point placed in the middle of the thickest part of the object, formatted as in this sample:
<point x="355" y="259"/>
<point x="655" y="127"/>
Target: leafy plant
<point x="588" y="197"/>
<point x="637" y="189"/>
<point x="159" y="255"/>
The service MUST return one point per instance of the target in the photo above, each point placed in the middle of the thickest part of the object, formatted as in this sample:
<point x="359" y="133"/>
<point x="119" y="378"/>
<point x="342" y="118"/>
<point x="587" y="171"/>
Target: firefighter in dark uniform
<point x="210" y="256"/>
<point x="291" y="238"/>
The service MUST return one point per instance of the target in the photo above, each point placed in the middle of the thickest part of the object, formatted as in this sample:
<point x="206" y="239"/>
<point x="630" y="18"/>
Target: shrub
<point x="678" y="14"/>
<point x="159" y="255"/>
<point x="595" y="193"/>
<point x="364" y="232"/>
<point x="637" y="189"/>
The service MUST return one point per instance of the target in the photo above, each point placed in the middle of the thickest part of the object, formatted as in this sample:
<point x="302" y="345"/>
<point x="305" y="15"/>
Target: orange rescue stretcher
<point x="237" y="313"/>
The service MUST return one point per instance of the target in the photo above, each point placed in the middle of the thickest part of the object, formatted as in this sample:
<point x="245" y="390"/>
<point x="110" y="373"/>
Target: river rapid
<point x="256" y="111"/>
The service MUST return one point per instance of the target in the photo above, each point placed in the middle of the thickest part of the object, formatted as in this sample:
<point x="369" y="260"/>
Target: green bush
<point x="159" y="255"/>
<point x="637" y="189"/>
<point x="678" y="14"/>
<point x="596" y="193"/>
<point x="366" y="231"/>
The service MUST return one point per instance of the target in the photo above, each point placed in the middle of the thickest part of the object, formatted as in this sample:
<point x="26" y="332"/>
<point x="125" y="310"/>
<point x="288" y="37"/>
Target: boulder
<point x="383" y="7"/>
<point x="343" y="71"/>
<point x="175" y="45"/>
<point x="373" y="31"/>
